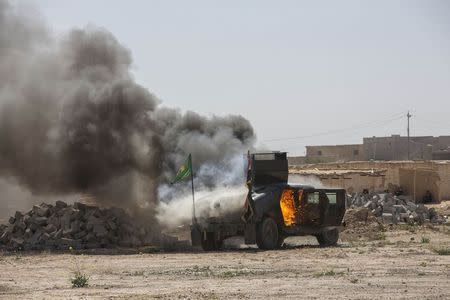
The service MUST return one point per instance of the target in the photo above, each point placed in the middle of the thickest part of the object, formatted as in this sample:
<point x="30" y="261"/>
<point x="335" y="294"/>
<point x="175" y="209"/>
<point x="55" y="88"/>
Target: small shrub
<point x="412" y="228"/>
<point x="79" y="280"/>
<point x="425" y="240"/>
<point x="442" y="251"/>
<point x="138" y="273"/>
<point x="423" y="264"/>
<point x="354" y="280"/>
<point x="328" y="273"/>
<point x="381" y="236"/>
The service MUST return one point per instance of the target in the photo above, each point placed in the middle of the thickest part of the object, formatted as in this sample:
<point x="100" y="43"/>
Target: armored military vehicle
<point x="274" y="209"/>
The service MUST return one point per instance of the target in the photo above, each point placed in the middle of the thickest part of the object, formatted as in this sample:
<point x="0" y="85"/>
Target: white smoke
<point x="311" y="180"/>
<point x="219" y="190"/>
<point x="208" y="203"/>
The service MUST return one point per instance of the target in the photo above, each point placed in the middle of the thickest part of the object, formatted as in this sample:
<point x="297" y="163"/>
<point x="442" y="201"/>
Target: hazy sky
<point x="329" y="72"/>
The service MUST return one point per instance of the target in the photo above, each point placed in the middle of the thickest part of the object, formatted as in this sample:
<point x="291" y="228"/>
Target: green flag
<point x="184" y="171"/>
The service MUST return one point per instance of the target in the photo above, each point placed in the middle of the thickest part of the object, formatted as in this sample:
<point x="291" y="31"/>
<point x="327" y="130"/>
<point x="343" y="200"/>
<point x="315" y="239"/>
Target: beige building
<point x="396" y="147"/>
<point x="390" y="148"/>
<point x="414" y="177"/>
<point x="336" y="153"/>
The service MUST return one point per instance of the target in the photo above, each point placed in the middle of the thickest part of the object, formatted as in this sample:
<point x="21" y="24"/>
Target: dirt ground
<point x="403" y="263"/>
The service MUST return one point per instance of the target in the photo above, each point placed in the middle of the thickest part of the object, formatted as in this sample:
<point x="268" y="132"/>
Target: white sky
<point x="293" y="68"/>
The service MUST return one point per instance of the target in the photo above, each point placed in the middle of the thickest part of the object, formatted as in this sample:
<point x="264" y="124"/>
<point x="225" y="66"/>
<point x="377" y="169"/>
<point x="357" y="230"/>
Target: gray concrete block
<point x="111" y="225"/>
<point x="20" y="226"/>
<point x="44" y="237"/>
<point x="79" y="235"/>
<point x="90" y="238"/>
<point x="404" y="216"/>
<point x="76" y="214"/>
<point x="41" y="210"/>
<point x="33" y="226"/>
<point x="65" y="220"/>
<point x="387" y="218"/>
<point x="75" y="226"/>
<point x="399" y="208"/>
<point x="5" y="237"/>
<point x="35" y="237"/>
<point x="50" y="228"/>
<point x="58" y="234"/>
<point x="28" y="233"/>
<point x="18" y="215"/>
<point x="60" y="204"/>
<point x="99" y="230"/>
<point x="26" y="219"/>
<point x="41" y="221"/>
<point x="17" y="242"/>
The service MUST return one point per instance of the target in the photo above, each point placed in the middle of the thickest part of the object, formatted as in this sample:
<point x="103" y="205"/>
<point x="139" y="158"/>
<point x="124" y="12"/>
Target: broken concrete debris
<point x="391" y="209"/>
<point x="77" y="226"/>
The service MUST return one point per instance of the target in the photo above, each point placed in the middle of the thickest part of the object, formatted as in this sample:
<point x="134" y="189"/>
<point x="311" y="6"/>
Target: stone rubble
<point x="391" y="209"/>
<point x="77" y="226"/>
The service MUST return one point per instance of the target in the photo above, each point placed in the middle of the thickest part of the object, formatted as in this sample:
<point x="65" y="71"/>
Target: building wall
<point x="336" y="153"/>
<point x="442" y="143"/>
<point x="415" y="177"/>
<point x="395" y="147"/>
<point x="444" y="180"/>
<point x="416" y="182"/>
<point x="297" y="160"/>
<point x="441" y="155"/>
<point x="354" y="182"/>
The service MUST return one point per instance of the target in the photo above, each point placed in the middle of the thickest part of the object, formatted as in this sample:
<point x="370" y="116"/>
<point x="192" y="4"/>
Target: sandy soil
<point x="398" y="266"/>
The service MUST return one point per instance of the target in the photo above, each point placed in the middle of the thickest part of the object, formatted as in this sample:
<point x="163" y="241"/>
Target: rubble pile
<point x="76" y="226"/>
<point x="361" y="223"/>
<point x="391" y="209"/>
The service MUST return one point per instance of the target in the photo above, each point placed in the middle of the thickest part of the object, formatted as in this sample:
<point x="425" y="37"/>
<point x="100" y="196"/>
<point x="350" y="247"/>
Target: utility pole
<point x="408" y="116"/>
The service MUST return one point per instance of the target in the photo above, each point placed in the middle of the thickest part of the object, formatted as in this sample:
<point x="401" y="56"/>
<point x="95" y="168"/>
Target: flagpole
<point x="194" y="219"/>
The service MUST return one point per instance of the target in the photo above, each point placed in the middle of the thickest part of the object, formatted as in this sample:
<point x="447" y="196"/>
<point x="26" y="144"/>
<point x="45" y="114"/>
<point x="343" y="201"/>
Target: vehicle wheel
<point x="210" y="243"/>
<point x="267" y="234"/>
<point x="328" y="238"/>
<point x="196" y="236"/>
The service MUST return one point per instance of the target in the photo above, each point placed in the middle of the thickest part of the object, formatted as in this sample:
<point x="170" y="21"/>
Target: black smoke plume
<point x="73" y="120"/>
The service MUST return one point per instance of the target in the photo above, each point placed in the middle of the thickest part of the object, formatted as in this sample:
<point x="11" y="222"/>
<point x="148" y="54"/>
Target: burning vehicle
<point x="274" y="210"/>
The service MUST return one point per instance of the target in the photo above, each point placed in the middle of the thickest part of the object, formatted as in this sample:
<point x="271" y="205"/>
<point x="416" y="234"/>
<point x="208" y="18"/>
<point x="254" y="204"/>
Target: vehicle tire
<point x="210" y="243"/>
<point x="196" y="236"/>
<point x="328" y="238"/>
<point x="268" y="235"/>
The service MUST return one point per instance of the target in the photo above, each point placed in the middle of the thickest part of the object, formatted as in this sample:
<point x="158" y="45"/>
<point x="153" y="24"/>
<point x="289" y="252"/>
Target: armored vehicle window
<point x="268" y="156"/>
<point x="313" y="197"/>
<point x="332" y="196"/>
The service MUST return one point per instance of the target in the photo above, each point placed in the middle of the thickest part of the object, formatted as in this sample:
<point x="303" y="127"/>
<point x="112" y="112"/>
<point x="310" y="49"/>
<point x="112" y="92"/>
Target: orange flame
<point x="288" y="207"/>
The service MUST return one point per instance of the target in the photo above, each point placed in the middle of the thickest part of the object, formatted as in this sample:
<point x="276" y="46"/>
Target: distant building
<point x="441" y="154"/>
<point x="394" y="147"/>
<point x="335" y="153"/>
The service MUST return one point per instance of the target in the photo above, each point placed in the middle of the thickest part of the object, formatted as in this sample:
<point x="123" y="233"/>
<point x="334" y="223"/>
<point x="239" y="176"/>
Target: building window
<point x="319" y="153"/>
<point x="355" y="152"/>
